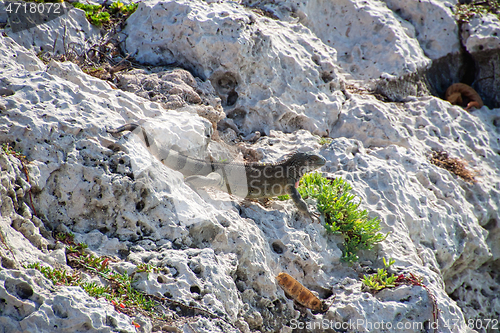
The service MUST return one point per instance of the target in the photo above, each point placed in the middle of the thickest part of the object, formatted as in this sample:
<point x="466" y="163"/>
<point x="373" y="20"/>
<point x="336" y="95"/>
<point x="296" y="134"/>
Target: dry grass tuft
<point x="454" y="165"/>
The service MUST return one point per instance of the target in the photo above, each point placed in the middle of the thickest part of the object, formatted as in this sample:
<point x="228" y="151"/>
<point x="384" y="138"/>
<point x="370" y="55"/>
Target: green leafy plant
<point x="381" y="280"/>
<point x="57" y="276"/>
<point x="99" y="15"/>
<point x="325" y="141"/>
<point x="115" y="7"/>
<point x="119" y="7"/>
<point x="11" y="151"/>
<point x="130" y="8"/>
<point x="342" y="213"/>
<point x="94" y="13"/>
<point x="119" y="291"/>
<point x="148" y="268"/>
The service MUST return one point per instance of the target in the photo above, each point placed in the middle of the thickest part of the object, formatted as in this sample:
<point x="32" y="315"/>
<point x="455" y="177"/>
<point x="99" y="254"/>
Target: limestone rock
<point x="370" y="40"/>
<point x="32" y="304"/>
<point x="482" y="33"/>
<point x="214" y="250"/>
<point x="175" y="89"/>
<point x="252" y="68"/>
<point x="70" y="32"/>
<point x="436" y="28"/>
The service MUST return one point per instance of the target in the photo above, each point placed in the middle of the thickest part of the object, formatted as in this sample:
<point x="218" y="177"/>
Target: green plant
<point x="113" y="286"/>
<point x="66" y="238"/>
<point x="98" y="19"/>
<point x="10" y="151"/>
<point x="381" y="280"/>
<point x="119" y="291"/>
<point x="57" y="276"/>
<point x="119" y="7"/>
<point x="342" y="213"/>
<point x="130" y="8"/>
<point x="99" y="15"/>
<point x="148" y="268"/>
<point x="115" y="7"/>
<point x="96" y="290"/>
<point x="94" y="13"/>
<point x="76" y="248"/>
<point x="325" y="141"/>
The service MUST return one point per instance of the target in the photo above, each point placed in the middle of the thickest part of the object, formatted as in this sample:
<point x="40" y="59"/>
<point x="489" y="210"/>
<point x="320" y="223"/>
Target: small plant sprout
<point x="325" y="141"/>
<point x="381" y="280"/>
<point x="389" y="263"/>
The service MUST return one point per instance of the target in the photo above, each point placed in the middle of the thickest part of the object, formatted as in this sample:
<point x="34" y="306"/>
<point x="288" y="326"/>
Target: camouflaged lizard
<point x="246" y="180"/>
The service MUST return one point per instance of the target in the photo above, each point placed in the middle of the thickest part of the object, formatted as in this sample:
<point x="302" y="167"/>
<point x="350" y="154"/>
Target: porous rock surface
<point x="369" y="38"/>
<point x="482" y="33"/>
<point x="263" y="82"/>
<point x="215" y="251"/>
<point x="69" y="32"/>
<point x="174" y="89"/>
<point x="30" y="303"/>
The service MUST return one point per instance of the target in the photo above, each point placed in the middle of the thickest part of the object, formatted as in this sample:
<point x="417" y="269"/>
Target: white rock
<point x="435" y="25"/>
<point x="482" y="33"/>
<point x="68" y="33"/>
<point x="370" y="39"/>
<point x="223" y="254"/>
<point x="265" y="83"/>
<point x="32" y="304"/>
<point x="195" y="274"/>
<point x="16" y="58"/>
<point x="19" y="248"/>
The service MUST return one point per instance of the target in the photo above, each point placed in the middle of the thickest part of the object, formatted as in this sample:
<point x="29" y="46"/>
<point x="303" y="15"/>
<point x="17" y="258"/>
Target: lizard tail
<point x="130" y="127"/>
<point x="458" y="91"/>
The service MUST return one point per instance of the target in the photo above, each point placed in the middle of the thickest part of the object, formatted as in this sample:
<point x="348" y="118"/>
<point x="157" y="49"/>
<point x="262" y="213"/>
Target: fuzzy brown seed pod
<point x="299" y="293"/>
<point x="460" y="93"/>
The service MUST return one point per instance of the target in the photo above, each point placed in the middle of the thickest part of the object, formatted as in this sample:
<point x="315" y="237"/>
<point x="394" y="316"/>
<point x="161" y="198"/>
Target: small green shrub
<point x="99" y="15"/>
<point x="381" y="280"/>
<point x="98" y="19"/>
<point x="119" y="291"/>
<point x="119" y="7"/>
<point x="342" y="213"/>
<point x="130" y="8"/>
<point x="325" y="141"/>
<point x="57" y="276"/>
<point x="94" y="13"/>
<point x="115" y="7"/>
